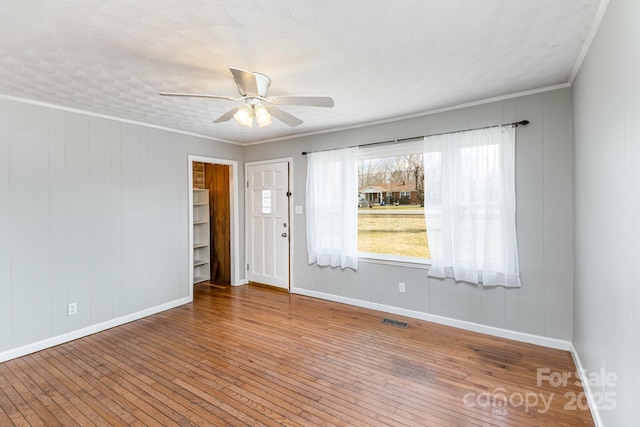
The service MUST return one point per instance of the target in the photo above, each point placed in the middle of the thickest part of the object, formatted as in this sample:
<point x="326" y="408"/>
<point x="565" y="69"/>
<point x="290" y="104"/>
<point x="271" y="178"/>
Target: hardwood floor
<point x="255" y="356"/>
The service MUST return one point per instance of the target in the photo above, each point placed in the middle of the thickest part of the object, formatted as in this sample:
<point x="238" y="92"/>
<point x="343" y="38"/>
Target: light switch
<point x="298" y="209"/>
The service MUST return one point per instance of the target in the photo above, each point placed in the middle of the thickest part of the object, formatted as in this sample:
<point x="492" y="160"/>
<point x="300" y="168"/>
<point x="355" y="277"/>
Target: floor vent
<point x="395" y="322"/>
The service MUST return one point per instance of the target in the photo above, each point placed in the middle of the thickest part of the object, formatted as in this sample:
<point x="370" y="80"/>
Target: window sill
<point x="398" y="261"/>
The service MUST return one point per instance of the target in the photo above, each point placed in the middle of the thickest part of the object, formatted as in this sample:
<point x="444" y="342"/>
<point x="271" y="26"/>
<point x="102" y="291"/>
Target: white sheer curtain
<point x="470" y="206"/>
<point x="332" y="208"/>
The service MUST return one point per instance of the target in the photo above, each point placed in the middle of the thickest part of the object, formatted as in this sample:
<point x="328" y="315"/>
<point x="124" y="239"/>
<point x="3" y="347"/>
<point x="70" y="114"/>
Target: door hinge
<point x="247" y="267"/>
<point x="247" y="184"/>
<point x="289" y="194"/>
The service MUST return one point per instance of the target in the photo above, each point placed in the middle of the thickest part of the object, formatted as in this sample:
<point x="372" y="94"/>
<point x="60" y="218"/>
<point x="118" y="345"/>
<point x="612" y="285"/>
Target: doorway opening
<point x="213" y="222"/>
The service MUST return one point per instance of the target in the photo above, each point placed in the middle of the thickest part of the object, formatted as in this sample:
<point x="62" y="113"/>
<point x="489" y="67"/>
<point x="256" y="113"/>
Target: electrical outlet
<point x="72" y="309"/>
<point x="401" y="287"/>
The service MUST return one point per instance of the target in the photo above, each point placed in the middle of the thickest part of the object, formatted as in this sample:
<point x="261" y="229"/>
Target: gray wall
<point x="606" y="99"/>
<point x="543" y="306"/>
<point x="92" y="211"/>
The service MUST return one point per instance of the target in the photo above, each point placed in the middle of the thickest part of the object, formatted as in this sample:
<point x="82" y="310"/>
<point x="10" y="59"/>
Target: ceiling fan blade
<point x="246" y="81"/>
<point x="226" y="116"/>
<point x="284" y="117"/>
<point x="198" y="95"/>
<point x="309" y="101"/>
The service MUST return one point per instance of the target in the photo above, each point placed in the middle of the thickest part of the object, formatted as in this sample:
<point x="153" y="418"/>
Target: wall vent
<point x="395" y="322"/>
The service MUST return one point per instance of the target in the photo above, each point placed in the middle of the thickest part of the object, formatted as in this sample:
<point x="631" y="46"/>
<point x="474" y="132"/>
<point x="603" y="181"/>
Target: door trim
<point x="234" y="216"/>
<point x="289" y="161"/>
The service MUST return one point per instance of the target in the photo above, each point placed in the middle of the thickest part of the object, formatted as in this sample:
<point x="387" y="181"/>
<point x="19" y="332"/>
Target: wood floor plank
<point x="29" y="404"/>
<point x="298" y="372"/>
<point x="163" y="403"/>
<point x="74" y="390"/>
<point x="183" y="365"/>
<point x="103" y="411"/>
<point x="44" y="392"/>
<point x="127" y="398"/>
<point x="252" y="356"/>
<point x="261" y="357"/>
<point x="325" y="374"/>
<point x="11" y="414"/>
<point x="41" y="372"/>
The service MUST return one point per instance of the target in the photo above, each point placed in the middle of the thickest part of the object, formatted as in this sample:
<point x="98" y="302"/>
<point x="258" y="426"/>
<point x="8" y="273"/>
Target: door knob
<point x="284" y="234"/>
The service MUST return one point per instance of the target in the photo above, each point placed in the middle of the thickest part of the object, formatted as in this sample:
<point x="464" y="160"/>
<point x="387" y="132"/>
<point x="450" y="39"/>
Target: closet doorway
<point x="213" y="211"/>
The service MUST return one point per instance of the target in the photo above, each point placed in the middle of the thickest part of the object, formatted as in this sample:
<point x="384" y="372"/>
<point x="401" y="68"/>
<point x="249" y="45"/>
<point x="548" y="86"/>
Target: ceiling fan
<point x="253" y="88"/>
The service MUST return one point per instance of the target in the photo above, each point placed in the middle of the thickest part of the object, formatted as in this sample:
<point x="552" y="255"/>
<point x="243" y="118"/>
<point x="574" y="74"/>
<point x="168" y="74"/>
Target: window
<point x="448" y="200"/>
<point x="392" y="226"/>
<point x="266" y="201"/>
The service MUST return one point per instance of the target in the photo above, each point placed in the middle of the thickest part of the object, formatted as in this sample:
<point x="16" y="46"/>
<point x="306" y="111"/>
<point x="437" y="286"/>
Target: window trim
<point x="395" y="260"/>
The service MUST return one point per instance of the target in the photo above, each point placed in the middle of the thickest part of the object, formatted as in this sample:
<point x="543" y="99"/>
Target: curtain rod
<point x="514" y="124"/>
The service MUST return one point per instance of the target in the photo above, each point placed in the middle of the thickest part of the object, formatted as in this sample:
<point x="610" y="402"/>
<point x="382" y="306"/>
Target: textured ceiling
<point x="378" y="59"/>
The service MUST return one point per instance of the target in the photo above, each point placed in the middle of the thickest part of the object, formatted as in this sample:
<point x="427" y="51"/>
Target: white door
<point x="268" y="224"/>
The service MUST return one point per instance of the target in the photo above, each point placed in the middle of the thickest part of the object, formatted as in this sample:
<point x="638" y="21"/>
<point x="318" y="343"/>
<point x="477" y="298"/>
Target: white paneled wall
<point x="77" y="178"/>
<point x="6" y="294"/>
<point x="544" y="169"/>
<point x="55" y="182"/>
<point x="606" y="99"/>
<point x="29" y="220"/>
<point x="101" y="225"/>
<point x="92" y="211"/>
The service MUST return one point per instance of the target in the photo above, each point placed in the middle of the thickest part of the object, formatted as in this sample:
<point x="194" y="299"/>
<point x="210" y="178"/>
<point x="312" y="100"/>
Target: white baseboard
<point x="461" y="324"/>
<point x="89" y="330"/>
<point x="593" y="406"/>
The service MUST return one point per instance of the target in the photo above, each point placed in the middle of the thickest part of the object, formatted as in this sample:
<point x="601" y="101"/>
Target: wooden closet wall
<point x="216" y="179"/>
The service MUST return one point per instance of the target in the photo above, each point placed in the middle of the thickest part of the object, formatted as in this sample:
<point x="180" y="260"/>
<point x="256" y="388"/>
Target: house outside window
<point x="392" y="227"/>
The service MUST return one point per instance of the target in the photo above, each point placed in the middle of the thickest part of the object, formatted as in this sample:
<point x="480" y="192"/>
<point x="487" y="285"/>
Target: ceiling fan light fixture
<point x="244" y="116"/>
<point x="262" y="115"/>
<point x="253" y="88"/>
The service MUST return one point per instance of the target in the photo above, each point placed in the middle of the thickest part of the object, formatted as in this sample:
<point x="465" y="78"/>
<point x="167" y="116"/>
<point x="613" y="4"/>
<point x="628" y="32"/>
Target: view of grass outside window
<point x="391" y="206"/>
